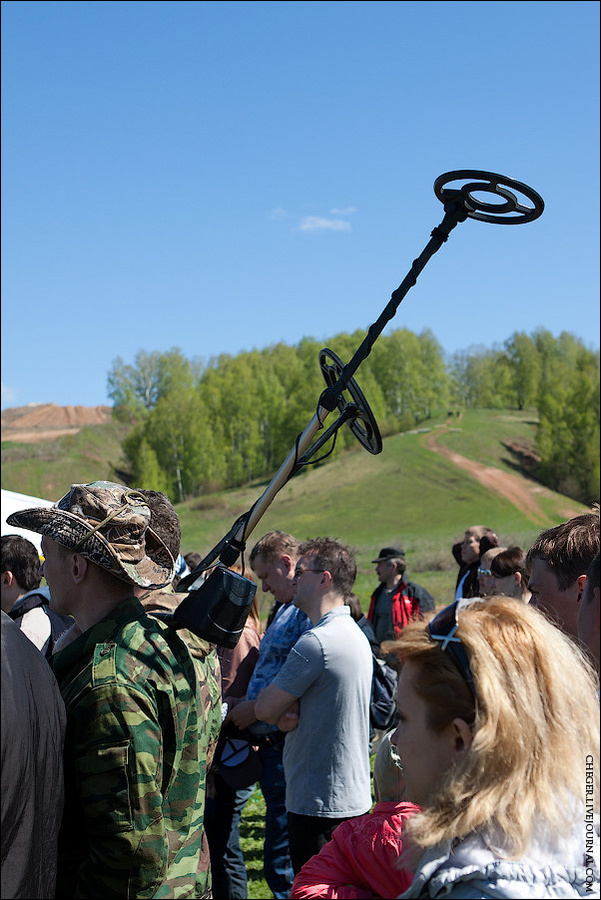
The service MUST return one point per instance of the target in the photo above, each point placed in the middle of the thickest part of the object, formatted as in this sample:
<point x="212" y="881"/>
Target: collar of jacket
<point x="126" y="611"/>
<point x="399" y="589"/>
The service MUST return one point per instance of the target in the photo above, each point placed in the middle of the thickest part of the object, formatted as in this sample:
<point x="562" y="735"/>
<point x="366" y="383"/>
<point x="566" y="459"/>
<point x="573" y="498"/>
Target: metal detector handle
<point x="233" y="544"/>
<point x="284" y="473"/>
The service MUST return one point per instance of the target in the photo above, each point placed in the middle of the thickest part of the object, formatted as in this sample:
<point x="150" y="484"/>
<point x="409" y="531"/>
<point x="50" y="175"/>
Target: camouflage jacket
<point x="138" y="730"/>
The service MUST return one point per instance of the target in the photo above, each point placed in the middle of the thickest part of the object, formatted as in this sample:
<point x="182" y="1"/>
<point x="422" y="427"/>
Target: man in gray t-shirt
<point x="329" y="671"/>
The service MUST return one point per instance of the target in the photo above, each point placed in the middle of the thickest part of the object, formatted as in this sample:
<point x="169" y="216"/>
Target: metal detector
<point x="218" y="604"/>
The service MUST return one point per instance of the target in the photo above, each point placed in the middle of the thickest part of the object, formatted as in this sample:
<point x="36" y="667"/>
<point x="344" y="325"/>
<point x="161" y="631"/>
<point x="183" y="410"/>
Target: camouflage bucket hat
<point x="108" y="524"/>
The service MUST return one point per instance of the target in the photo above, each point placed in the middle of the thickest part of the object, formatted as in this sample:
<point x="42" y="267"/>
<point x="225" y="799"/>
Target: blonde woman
<point x="499" y="741"/>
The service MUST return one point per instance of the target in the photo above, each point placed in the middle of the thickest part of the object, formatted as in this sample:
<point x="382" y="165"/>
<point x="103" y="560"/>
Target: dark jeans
<point x="276" y="853"/>
<point x="307" y="835"/>
<point x="222" y="825"/>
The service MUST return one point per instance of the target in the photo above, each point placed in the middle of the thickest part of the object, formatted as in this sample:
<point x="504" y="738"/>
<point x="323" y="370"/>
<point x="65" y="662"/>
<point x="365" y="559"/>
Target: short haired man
<point x="136" y="737"/>
<point x="22" y="598"/>
<point x="589" y="614"/>
<point x="557" y="562"/>
<point x="329" y="670"/>
<point x="273" y="560"/>
<point x="396" y="601"/>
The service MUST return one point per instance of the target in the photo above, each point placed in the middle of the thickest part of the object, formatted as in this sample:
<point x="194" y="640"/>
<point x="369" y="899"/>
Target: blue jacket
<point x="471" y="871"/>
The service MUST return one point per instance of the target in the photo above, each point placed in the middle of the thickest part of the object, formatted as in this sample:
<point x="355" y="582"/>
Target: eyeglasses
<point x="299" y="572"/>
<point x="443" y="628"/>
<point x="486" y="572"/>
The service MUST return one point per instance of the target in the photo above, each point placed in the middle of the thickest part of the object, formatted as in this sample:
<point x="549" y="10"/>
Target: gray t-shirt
<point x="326" y="758"/>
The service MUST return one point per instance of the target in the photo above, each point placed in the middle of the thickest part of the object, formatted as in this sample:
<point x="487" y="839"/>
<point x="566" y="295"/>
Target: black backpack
<point x="58" y="624"/>
<point x="382" y="707"/>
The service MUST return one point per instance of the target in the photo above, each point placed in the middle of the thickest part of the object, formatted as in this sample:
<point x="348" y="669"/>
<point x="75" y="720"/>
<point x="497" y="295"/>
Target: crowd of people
<point x="130" y="745"/>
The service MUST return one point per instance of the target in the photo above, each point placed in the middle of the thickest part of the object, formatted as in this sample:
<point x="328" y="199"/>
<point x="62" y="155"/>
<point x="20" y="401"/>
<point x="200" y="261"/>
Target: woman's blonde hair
<point x="535" y="725"/>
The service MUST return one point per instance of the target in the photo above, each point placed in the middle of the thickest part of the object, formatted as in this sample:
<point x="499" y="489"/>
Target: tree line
<point x="201" y="426"/>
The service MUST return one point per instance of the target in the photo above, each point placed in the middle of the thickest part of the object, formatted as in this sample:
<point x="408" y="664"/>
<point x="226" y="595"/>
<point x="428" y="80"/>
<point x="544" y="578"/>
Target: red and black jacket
<point x="409" y="601"/>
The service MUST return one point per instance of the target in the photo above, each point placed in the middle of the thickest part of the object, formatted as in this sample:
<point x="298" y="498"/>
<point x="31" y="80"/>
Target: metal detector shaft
<point x="233" y="544"/>
<point x="455" y="213"/>
<point x="284" y="472"/>
<point x="329" y="399"/>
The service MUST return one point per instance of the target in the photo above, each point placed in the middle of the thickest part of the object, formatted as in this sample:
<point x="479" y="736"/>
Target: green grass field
<point x="252" y="830"/>
<point x="48" y="468"/>
<point x="251" y="841"/>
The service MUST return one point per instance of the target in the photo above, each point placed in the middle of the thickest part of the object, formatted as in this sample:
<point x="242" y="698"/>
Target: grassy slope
<point x="407" y="496"/>
<point x="48" y="468"/>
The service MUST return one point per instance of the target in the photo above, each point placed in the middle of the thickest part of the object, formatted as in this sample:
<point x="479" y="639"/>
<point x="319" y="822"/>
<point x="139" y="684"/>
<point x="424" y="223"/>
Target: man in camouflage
<point x="141" y="711"/>
<point x="164" y="521"/>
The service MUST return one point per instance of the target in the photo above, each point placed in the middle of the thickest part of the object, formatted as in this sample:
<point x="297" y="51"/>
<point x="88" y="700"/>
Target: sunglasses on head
<point x="443" y="628"/>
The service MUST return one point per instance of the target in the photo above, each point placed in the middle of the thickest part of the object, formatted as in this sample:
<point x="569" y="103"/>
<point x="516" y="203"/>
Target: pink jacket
<point x="362" y="859"/>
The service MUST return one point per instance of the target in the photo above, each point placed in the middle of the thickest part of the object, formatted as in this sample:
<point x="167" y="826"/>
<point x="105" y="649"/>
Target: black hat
<point x="389" y="553"/>
<point x="236" y="759"/>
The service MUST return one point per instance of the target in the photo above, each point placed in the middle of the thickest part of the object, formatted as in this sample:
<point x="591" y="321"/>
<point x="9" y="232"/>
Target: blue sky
<point x="224" y="176"/>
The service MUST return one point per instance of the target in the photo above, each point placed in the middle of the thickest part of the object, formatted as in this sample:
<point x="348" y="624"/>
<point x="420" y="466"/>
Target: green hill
<point x="408" y="495"/>
<point x="48" y="467"/>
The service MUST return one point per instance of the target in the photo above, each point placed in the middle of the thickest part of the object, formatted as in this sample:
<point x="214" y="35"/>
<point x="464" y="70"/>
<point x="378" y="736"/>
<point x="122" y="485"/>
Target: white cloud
<point x="317" y="223"/>
<point x="9" y="395"/>
<point x="347" y="211"/>
<point x="278" y="213"/>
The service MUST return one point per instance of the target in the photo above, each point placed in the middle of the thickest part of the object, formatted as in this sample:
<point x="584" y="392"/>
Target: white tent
<point x="13" y="502"/>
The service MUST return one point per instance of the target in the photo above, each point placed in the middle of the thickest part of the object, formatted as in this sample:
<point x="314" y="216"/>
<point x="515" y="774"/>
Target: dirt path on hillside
<point x="518" y="490"/>
<point x="31" y="437"/>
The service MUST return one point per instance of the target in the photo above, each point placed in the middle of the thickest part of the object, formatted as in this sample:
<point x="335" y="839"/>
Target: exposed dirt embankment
<point x="28" y="424"/>
<point x="520" y="491"/>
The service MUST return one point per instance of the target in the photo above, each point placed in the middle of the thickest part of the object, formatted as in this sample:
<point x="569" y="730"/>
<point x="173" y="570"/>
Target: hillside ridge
<point x="40" y="421"/>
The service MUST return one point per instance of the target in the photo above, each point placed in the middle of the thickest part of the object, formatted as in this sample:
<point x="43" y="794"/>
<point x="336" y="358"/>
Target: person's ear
<point x="79" y="568"/>
<point x="461" y="737"/>
<point x="7" y="578"/>
<point x="289" y="566"/>
<point x="518" y="578"/>
<point x="580" y="584"/>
